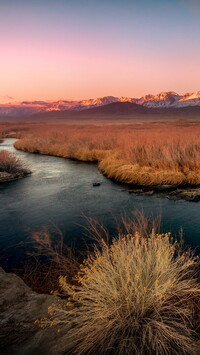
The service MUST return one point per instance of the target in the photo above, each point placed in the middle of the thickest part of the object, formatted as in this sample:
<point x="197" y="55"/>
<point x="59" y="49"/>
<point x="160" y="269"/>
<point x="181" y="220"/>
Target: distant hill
<point x="118" y="111"/>
<point x="116" y="108"/>
<point x="127" y="108"/>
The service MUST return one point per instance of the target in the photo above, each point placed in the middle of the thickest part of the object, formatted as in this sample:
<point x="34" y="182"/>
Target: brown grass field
<point x="141" y="153"/>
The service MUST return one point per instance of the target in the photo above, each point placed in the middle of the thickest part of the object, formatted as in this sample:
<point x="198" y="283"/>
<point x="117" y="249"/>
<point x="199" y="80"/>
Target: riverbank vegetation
<point x="135" y="294"/>
<point x="140" y="154"/>
<point x="11" y="167"/>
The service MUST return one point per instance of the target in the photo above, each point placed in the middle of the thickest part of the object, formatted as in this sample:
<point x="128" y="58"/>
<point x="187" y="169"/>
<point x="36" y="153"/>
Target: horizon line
<point x="92" y="98"/>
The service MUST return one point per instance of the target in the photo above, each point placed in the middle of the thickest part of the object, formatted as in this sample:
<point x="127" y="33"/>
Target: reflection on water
<point x="60" y="192"/>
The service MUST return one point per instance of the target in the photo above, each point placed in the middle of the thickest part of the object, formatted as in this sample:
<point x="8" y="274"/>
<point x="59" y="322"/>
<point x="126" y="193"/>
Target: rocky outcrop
<point x="171" y="191"/>
<point x="19" y="308"/>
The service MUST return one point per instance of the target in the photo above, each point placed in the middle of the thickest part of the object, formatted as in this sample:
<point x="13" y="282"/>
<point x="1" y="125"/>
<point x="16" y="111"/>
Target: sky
<point x="75" y="49"/>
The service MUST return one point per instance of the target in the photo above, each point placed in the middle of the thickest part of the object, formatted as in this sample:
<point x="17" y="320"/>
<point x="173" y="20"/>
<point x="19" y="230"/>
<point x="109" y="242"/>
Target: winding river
<point x="60" y="192"/>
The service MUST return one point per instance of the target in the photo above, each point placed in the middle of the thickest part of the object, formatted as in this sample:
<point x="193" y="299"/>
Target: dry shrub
<point x="136" y="295"/>
<point x="10" y="163"/>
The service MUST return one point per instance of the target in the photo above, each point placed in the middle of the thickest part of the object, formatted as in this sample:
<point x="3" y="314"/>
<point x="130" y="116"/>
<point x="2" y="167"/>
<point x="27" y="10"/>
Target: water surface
<point x="60" y="192"/>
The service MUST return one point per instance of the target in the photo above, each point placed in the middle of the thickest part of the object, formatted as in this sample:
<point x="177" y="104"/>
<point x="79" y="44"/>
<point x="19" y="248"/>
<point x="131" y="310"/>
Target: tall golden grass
<point x="135" y="295"/>
<point x="138" y="154"/>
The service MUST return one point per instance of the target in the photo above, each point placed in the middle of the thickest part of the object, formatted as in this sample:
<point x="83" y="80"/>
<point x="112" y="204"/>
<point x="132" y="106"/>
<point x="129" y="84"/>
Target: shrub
<point x="10" y="163"/>
<point x="136" y="295"/>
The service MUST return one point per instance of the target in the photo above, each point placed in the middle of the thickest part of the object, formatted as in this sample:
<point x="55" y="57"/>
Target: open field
<point x="140" y="154"/>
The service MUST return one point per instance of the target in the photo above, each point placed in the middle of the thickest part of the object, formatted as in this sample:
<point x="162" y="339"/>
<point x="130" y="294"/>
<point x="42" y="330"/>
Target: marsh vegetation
<point x="143" y="154"/>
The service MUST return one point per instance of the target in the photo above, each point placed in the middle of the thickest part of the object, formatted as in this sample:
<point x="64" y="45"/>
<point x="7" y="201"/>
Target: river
<point x="60" y="192"/>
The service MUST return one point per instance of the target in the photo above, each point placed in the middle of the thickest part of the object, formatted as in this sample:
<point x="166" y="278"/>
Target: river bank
<point x="147" y="155"/>
<point x="6" y="177"/>
<point x="118" y="171"/>
<point x="187" y="193"/>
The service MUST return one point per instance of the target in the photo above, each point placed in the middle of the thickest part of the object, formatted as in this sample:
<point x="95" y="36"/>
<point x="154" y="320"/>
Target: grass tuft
<point x="136" y="295"/>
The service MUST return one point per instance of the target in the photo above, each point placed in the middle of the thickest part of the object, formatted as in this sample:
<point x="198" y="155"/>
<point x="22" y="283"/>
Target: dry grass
<point x="136" y="295"/>
<point x="140" y="154"/>
<point x="49" y="259"/>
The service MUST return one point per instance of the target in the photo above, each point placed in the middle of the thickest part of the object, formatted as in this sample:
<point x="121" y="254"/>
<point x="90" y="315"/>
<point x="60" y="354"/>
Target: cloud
<point x="7" y="97"/>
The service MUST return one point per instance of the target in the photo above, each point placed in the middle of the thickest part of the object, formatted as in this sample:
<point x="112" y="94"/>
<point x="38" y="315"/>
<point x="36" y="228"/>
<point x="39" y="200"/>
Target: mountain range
<point x="162" y="100"/>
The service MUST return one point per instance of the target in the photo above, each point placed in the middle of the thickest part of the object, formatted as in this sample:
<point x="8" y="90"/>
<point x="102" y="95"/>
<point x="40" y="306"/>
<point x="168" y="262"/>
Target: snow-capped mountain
<point x="164" y="99"/>
<point x="190" y="99"/>
<point x="161" y="100"/>
<point x="170" y="99"/>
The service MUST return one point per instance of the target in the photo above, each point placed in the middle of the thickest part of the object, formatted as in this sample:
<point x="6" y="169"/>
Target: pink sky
<point x="71" y="53"/>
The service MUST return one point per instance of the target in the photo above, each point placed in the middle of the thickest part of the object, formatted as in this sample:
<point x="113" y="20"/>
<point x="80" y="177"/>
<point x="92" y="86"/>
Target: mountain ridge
<point x="169" y="99"/>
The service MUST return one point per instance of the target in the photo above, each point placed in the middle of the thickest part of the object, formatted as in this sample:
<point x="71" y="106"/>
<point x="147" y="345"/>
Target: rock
<point x="96" y="184"/>
<point x="20" y="307"/>
<point x="149" y="192"/>
<point x="189" y="194"/>
<point x="136" y="191"/>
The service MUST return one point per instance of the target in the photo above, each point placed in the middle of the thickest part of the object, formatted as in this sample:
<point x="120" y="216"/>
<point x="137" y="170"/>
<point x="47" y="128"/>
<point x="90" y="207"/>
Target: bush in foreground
<point x="137" y="295"/>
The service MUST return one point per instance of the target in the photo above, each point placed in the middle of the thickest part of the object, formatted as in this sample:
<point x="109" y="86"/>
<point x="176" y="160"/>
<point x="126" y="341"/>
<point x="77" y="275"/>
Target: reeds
<point x="140" y="154"/>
